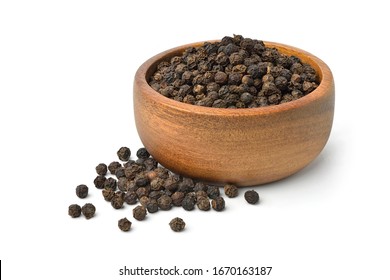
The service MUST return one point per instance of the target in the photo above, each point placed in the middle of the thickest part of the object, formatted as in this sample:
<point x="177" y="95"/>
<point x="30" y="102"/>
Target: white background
<point x="66" y="76"/>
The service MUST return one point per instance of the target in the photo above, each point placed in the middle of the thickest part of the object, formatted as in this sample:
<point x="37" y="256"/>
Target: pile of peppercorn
<point x="236" y="72"/>
<point x="147" y="183"/>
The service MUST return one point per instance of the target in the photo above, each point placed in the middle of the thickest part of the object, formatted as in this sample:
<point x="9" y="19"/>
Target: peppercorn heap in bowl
<point x="236" y="110"/>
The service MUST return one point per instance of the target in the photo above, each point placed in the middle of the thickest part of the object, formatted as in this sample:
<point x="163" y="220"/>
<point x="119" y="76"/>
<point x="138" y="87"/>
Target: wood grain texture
<point x="240" y="146"/>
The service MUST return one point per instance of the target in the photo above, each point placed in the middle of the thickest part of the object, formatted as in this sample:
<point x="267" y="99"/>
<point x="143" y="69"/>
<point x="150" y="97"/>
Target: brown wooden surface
<point x="240" y="146"/>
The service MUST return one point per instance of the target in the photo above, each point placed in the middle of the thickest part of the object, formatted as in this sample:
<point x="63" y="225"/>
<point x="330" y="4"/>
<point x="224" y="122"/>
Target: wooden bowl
<point x="241" y="146"/>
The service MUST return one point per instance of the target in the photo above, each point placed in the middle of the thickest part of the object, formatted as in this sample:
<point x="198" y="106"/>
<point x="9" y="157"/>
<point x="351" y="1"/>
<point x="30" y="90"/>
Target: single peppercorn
<point x="230" y="190"/>
<point x="150" y="164"/>
<point x="152" y="206"/>
<point x="188" y="202"/>
<point x="203" y="203"/>
<point x="118" y="200"/>
<point x="144" y="201"/>
<point x="88" y="210"/>
<point x="201" y="193"/>
<point x="74" y="210"/>
<point x="157" y="184"/>
<point x="177" y="224"/>
<point x="113" y="166"/>
<point x="177" y="198"/>
<point x="252" y="197"/>
<point x="200" y="186"/>
<point x="99" y="182"/>
<point x="143" y="153"/>
<point x="164" y="202"/>
<point x="131" y="197"/>
<point x="218" y="203"/>
<point x="108" y="194"/>
<point x="123" y="184"/>
<point x="213" y="191"/>
<point x="101" y="169"/>
<point x="141" y="182"/>
<point x="82" y="191"/>
<point x="124" y="153"/>
<point x="110" y="183"/>
<point x="142" y="191"/>
<point x="139" y="213"/>
<point x="124" y="224"/>
<point x="120" y="172"/>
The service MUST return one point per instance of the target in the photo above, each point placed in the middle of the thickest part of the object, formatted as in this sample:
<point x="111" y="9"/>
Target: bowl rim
<point x="322" y="90"/>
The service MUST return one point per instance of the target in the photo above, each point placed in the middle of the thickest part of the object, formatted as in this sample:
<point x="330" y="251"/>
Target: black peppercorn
<point x="118" y="200"/>
<point x="144" y="201"/>
<point x="152" y="206"/>
<point x="99" y="182"/>
<point x="200" y="186"/>
<point x="203" y="203"/>
<point x="177" y="224"/>
<point x="120" y="172"/>
<point x="124" y="224"/>
<point x="213" y="191"/>
<point x="139" y="213"/>
<point x="230" y="190"/>
<point x="252" y="197"/>
<point x="124" y="153"/>
<point x="74" y="210"/>
<point x="188" y="202"/>
<point x="143" y="153"/>
<point x="112" y="167"/>
<point x="141" y="181"/>
<point x="108" y="194"/>
<point x="177" y="198"/>
<point x="199" y="76"/>
<point x="101" y="169"/>
<point x="142" y="191"/>
<point x="110" y="183"/>
<point x="131" y="197"/>
<point x="218" y="203"/>
<point x="82" y="191"/>
<point x="123" y="184"/>
<point x="88" y="210"/>
<point x="164" y="202"/>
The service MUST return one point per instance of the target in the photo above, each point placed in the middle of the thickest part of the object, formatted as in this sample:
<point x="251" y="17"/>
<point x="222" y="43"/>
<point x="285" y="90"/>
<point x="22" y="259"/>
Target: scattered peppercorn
<point x="177" y="224"/>
<point x="101" y="169"/>
<point x="88" y="210"/>
<point x="113" y="166"/>
<point x="218" y="203"/>
<point x="124" y="224"/>
<point x="82" y="191"/>
<point x="139" y="213"/>
<point x="252" y="197"/>
<point x="154" y="186"/>
<point x="117" y="200"/>
<point x="124" y="153"/>
<point x="213" y="191"/>
<point x="110" y="183"/>
<point x="131" y="197"/>
<point x="99" y="181"/>
<point x="203" y="203"/>
<point x="230" y="190"/>
<point x="164" y="202"/>
<point x="143" y="153"/>
<point x="108" y="194"/>
<point x="188" y="202"/>
<point x="177" y="198"/>
<point x="152" y="206"/>
<point x="74" y="210"/>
